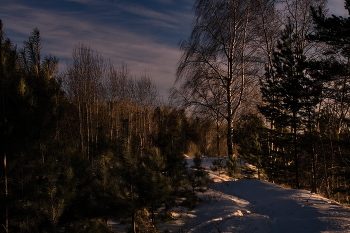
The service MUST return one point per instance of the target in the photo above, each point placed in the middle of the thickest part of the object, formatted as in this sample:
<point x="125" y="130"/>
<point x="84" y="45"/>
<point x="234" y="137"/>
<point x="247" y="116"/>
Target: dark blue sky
<point x="142" y="33"/>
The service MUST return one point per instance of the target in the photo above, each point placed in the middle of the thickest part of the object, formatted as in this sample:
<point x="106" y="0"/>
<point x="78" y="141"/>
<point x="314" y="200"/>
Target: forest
<point x="260" y="80"/>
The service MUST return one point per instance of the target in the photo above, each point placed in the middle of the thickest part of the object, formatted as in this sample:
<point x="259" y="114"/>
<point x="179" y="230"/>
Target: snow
<point x="288" y="210"/>
<point x="254" y="206"/>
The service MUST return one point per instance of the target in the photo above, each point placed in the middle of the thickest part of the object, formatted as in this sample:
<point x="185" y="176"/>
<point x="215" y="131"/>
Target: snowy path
<point x="253" y="206"/>
<point x="289" y="210"/>
<point x="220" y="212"/>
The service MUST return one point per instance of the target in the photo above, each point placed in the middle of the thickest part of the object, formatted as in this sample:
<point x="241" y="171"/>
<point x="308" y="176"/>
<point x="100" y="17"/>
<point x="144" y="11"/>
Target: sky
<point x="143" y="34"/>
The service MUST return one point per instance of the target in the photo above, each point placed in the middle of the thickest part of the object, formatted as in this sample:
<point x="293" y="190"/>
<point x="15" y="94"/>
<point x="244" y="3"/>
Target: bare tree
<point x="84" y="85"/>
<point x="216" y="66"/>
<point x="116" y="86"/>
<point x="131" y="101"/>
<point x="298" y="14"/>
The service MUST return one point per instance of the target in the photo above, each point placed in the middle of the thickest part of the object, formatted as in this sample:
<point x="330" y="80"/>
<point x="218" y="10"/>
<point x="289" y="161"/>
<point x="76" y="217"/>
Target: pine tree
<point x="250" y="131"/>
<point x="198" y="176"/>
<point x="31" y="109"/>
<point x="333" y="30"/>
<point x="218" y="165"/>
<point x="171" y="137"/>
<point x="289" y="90"/>
<point x="155" y="186"/>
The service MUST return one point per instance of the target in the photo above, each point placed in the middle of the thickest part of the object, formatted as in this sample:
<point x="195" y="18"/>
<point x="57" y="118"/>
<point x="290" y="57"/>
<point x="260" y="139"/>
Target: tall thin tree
<point x="214" y="70"/>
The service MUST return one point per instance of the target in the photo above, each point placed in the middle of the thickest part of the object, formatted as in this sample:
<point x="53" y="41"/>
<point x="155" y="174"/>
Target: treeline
<point x="87" y="145"/>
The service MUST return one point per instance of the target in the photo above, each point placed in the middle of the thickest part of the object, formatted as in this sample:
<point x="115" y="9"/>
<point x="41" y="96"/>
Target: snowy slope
<point x="258" y="207"/>
<point x="288" y="210"/>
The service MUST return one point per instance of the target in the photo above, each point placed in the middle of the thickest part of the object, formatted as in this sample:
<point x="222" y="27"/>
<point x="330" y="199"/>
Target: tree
<point x="44" y="97"/>
<point x="83" y="82"/>
<point x="31" y="103"/>
<point x="143" y="182"/>
<point x="215" y="69"/>
<point x="250" y="131"/>
<point x="155" y="185"/>
<point x="219" y="166"/>
<point x="269" y="28"/>
<point x="333" y="31"/>
<point x="8" y="82"/>
<point x="198" y="179"/>
<point x="298" y="18"/>
<point x="288" y="89"/>
<point x="298" y="14"/>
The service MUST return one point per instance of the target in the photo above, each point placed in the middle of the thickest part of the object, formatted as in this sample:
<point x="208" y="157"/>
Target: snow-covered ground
<point x="253" y="206"/>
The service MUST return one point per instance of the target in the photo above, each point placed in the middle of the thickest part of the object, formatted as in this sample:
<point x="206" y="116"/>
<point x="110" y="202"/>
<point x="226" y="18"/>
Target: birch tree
<point x="215" y="68"/>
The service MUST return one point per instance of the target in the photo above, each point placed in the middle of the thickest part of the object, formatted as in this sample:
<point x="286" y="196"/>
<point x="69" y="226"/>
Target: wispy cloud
<point x="140" y="35"/>
<point x="93" y="1"/>
<point x="61" y="31"/>
<point x="165" y="1"/>
<point x="150" y="15"/>
<point x="81" y="1"/>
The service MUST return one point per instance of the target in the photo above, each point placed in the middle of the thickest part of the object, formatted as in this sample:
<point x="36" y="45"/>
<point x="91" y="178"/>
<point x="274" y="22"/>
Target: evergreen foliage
<point x="251" y="131"/>
<point x="218" y="165"/>
<point x="305" y="101"/>
<point x="290" y="92"/>
<point x="198" y="177"/>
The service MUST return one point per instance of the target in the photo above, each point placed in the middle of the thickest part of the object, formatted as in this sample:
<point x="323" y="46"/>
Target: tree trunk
<point x="314" y="182"/>
<point x="296" y="157"/>
<point x="133" y="214"/>
<point x="229" y="105"/>
<point x="217" y="135"/>
<point x="229" y="136"/>
<point x="3" y="127"/>
<point x="6" y="226"/>
<point x="133" y="222"/>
